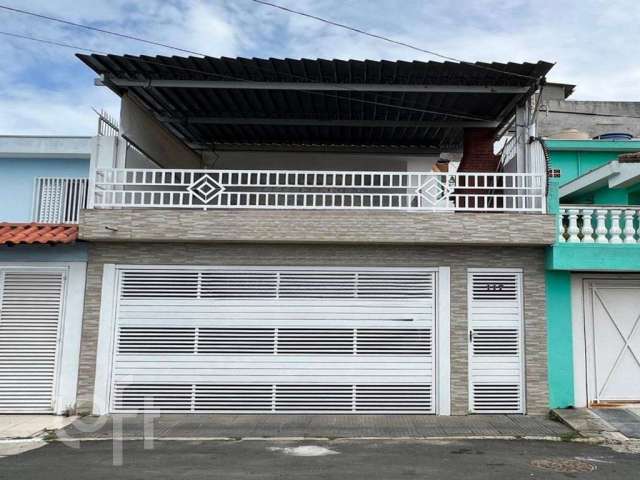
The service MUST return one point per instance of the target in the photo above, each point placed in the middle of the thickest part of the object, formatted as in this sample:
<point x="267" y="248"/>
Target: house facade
<point x="43" y="185"/>
<point x="279" y="236"/>
<point x="592" y="273"/>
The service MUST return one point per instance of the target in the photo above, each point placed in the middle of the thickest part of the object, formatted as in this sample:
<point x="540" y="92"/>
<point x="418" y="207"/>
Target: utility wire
<point x="101" y="30"/>
<point x="172" y="47"/>
<point x="229" y="77"/>
<point x="51" y="42"/>
<point x="165" y="45"/>
<point x="390" y="40"/>
<point x="262" y="2"/>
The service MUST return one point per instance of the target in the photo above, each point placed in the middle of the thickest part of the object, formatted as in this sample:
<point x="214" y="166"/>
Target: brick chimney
<point x="477" y="155"/>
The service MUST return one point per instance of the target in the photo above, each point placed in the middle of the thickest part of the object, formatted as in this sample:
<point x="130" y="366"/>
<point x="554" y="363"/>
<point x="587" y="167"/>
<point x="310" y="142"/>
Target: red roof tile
<point x="15" y="233"/>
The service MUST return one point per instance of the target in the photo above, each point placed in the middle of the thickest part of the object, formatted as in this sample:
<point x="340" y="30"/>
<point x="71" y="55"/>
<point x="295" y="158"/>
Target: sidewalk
<point x="315" y="426"/>
<point x="30" y="426"/>
<point x="618" y="424"/>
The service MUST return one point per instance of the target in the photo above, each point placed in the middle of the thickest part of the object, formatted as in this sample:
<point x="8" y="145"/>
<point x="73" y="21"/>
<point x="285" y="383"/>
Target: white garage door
<point x="30" y="321"/>
<point x="612" y="318"/>
<point x="305" y="340"/>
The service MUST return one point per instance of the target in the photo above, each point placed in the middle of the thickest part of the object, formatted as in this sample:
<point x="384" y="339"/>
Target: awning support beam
<point x="329" y="123"/>
<point x="315" y="86"/>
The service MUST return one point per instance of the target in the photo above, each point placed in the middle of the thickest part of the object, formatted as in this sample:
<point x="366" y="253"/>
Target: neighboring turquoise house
<point x="593" y="281"/>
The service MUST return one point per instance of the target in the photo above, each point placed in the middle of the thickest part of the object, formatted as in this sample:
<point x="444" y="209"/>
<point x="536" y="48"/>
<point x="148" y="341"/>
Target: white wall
<point x="322" y="161"/>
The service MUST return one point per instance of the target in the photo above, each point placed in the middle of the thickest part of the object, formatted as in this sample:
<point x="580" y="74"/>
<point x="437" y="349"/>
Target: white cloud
<point x="46" y="90"/>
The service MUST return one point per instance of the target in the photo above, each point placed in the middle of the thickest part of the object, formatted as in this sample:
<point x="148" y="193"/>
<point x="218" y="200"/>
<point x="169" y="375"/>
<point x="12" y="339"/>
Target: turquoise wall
<point x="559" y="339"/>
<point x="17" y="178"/>
<point x="577" y="157"/>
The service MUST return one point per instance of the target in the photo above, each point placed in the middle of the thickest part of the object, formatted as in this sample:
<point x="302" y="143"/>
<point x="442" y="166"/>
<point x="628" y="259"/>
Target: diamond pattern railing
<point x="285" y="189"/>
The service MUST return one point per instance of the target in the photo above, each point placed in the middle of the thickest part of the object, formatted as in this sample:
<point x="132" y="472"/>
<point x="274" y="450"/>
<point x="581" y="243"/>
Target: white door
<point x="30" y="321"/>
<point x="274" y="340"/>
<point x="495" y="341"/>
<point x="612" y="324"/>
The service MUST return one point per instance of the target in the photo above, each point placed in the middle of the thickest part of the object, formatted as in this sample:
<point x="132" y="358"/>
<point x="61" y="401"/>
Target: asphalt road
<point x="339" y="459"/>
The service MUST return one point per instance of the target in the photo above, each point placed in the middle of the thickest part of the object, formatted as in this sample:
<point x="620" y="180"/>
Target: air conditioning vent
<point x="496" y="398"/>
<point x="495" y="286"/>
<point x="493" y="341"/>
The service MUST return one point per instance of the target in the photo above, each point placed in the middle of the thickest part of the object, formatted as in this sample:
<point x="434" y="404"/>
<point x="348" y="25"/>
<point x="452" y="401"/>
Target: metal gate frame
<point x="108" y="316"/>
<point x="582" y="384"/>
<point x="63" y="395"/>
<point x="521" y="342"/>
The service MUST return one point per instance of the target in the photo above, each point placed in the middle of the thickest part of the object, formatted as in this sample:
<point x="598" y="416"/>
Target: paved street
<point x="339" y="459"/>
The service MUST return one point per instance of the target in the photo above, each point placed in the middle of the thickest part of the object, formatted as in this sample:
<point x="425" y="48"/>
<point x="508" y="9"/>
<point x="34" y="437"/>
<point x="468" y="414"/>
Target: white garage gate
<point x="31" y="304"/>
<point x="270" y="340"/>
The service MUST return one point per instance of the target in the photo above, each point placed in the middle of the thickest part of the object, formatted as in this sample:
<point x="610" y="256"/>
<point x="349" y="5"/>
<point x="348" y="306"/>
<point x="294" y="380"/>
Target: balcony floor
<point x="317" y="226"/>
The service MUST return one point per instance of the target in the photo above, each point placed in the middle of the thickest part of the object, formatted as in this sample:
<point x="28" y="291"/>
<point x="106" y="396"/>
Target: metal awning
<point x="223" y="101"/>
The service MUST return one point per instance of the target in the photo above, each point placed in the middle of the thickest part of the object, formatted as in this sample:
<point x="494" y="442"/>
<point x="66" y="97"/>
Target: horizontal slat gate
<point x="30" y="311"/>
<point x="495" y="341"/>
<point x="274" y="340"/>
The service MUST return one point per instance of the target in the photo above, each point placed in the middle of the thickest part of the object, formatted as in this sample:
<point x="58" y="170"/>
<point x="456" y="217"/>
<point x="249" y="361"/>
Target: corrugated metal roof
<point x="237" y="115"/>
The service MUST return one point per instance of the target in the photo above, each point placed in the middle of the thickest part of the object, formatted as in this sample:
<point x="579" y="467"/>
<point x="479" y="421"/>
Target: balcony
<point x="600" y="224"/>
<point x="295" y="206"/>
<point x="283" y="189"/>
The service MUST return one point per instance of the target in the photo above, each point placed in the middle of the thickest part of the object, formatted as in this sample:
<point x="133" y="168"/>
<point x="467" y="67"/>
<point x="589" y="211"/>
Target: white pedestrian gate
<point x="495" y="341"/>
<point x="30" y="322"/>
<point x="274" y="340"/>
<point x="612" y="320"/>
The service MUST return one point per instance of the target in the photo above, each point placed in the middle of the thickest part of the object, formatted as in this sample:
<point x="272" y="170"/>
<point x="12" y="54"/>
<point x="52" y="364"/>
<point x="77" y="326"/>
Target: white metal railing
<point x="59" y="199"/>
<point x="599" y="224"/>
<point x="284" y="189"/>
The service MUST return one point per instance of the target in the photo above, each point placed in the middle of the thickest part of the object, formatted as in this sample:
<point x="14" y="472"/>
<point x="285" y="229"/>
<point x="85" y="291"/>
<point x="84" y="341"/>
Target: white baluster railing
<point x="59" y="199"/>
<point x="285" y="189"/>
<point x="613" y="224"/>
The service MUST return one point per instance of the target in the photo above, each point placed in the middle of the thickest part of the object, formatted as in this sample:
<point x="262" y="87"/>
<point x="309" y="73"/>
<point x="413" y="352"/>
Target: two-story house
<point x="43" y="185"/>
<point x="316" y="236"/>
<point x="593" y="273"/>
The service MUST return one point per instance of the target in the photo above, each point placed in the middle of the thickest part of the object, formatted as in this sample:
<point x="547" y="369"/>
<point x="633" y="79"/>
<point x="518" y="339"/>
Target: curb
<point x="323" y="439"/>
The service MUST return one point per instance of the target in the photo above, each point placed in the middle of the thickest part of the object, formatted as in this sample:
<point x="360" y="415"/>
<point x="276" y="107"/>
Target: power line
<point x="262" y="2"/>
<point x="172" y="47"/>
<point x="140" y="39"/>
<point x="51" y="42"/>
<point x="229" y="77"/>
<point x="388" y="39"/>
<point x="101" y="30"/>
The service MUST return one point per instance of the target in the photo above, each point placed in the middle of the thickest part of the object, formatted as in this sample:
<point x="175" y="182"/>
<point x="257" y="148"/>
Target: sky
<point x="45" y="90"/>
